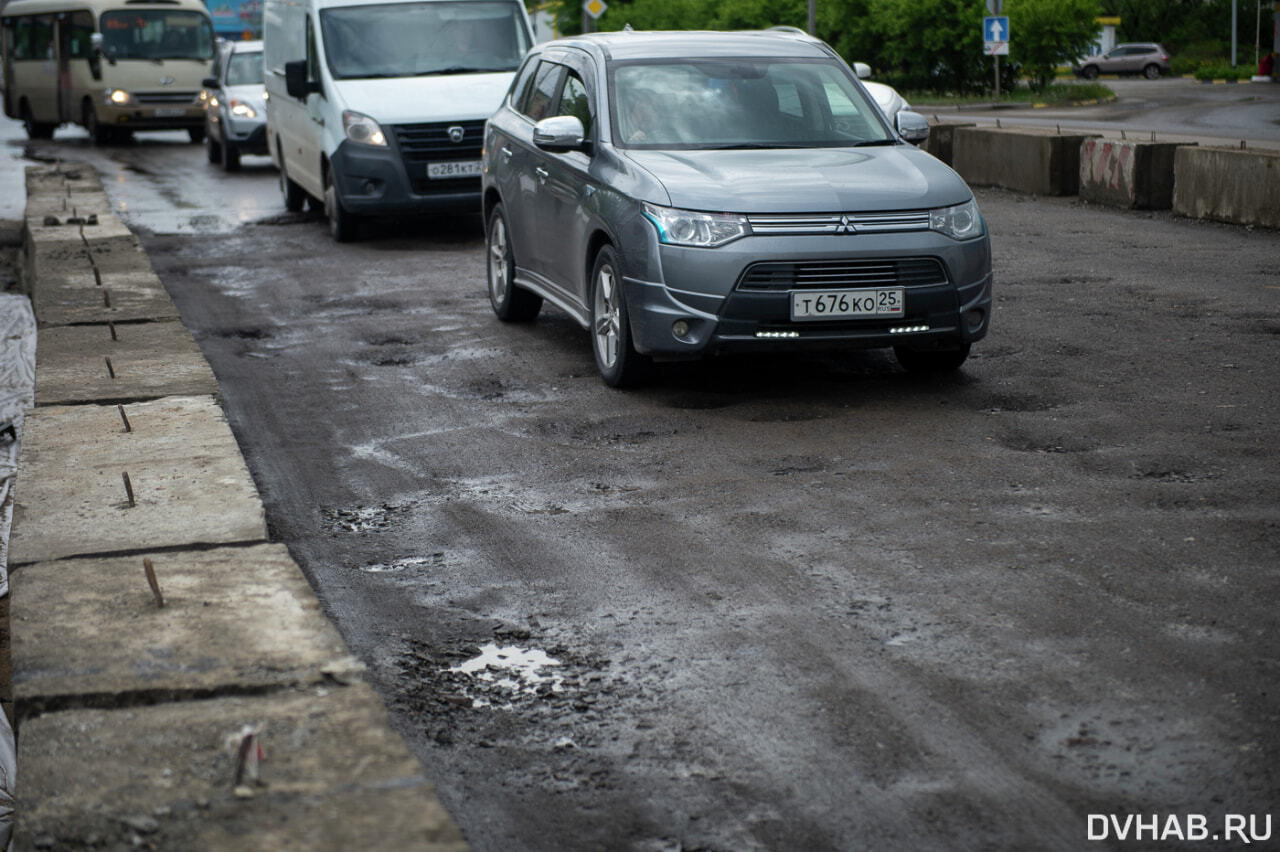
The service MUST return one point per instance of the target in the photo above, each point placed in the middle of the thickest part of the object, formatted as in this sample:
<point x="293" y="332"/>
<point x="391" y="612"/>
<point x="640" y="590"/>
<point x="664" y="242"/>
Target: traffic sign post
<point x="995" y="38"/>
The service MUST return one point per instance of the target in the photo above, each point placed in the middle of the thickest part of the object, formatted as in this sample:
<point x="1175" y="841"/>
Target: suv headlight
<point x="363" y="129"/>
<point x="962" y="222"/>
<point x="240" y="109"/>
<point x="692" y="228"/>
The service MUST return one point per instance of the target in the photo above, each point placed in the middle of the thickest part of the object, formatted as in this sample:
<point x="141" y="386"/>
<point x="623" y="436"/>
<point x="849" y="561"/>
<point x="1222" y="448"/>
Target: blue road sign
<point x="995" y="35"/>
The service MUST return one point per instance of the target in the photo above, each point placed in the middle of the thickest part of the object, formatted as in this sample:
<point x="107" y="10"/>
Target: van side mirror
<point x="296" y="82"/>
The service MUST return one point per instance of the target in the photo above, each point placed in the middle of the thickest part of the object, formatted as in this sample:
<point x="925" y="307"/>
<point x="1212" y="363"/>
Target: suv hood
<point x="418" y="100"/>
<point x="809" y="180"/>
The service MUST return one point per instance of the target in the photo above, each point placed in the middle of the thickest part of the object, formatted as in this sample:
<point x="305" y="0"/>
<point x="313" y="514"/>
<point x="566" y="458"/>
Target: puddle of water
<point x="510" y="669"/>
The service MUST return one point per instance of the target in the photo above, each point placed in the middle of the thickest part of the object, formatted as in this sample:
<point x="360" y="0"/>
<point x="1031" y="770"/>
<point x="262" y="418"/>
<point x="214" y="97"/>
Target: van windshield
<point x="156" y="34"/>
<point x="413" y="39"/>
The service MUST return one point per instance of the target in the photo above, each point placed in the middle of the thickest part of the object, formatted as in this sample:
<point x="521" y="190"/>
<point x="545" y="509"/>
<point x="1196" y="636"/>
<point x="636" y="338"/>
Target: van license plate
<point x="455" y="169"/>
<point x="169" y="113"/>
<point x="843" y="304"/>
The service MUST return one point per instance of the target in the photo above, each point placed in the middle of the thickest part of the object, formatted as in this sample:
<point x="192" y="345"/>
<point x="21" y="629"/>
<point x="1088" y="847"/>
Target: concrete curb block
<point x="1127" y="174"/>
<point x="1040" y="162"/>
<point x="145" y="709"/>
<point x="1228" y="185"/>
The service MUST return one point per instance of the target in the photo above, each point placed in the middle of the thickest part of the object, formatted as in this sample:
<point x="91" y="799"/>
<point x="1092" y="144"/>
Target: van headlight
<point x="962" y="222"/>
<point x="693" y="228"/>
<point x="119" y="97"/>
<point x="363" y="129"/>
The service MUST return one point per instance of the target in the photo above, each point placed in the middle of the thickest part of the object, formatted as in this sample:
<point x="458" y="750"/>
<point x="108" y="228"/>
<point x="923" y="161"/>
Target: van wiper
<point x="462" y="69"/>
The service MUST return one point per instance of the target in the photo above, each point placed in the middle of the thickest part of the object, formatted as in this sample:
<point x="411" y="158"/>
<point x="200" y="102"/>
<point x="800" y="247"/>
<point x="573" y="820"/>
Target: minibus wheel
<point x="98" y="132"/>
<point x="35" y="129"/>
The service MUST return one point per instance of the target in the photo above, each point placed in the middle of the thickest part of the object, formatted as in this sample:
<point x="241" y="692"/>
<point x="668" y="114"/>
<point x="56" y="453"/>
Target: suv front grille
<point x="841" y="274"/>
<point x="421" y="144"/>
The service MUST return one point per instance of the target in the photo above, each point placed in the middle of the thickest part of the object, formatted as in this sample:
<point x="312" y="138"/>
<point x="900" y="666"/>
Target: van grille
<point x="826" y="275"/>
<point x="430" y="143"/>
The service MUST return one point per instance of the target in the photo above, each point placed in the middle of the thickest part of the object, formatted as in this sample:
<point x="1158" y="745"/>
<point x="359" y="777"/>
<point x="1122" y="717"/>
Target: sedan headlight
<point x="962" y="222"/>
<point x="240" y="109"/>
<point x="119" y="97"/>
<point x="693" y="228"/>
<point x="363" y="129"/>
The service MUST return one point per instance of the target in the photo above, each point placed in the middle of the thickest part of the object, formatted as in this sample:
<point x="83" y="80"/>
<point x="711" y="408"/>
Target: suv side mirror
<point x="862" y="70"/>
<point x="296" y="82"/>
<point x="912" y="126"/>
<point x="560" y="133"/>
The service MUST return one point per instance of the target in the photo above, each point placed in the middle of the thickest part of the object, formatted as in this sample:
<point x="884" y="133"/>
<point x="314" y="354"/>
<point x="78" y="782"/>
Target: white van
<point x="378" y="107"/>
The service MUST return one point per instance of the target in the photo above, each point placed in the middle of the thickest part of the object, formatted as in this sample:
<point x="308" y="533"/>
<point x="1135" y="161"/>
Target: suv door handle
<point x="542" y="174"/>
<point x="506" y="153"/>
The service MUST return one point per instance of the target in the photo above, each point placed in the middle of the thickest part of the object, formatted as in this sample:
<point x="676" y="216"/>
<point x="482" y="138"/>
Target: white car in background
<point x="887" y="97"/>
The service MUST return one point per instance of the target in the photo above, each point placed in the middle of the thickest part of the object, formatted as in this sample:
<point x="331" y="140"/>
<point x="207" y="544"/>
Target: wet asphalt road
<point x="803" y="602"/>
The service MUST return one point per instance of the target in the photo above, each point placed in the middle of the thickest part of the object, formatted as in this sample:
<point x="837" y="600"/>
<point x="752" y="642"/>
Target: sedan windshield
<point x="413" y="39"/>
<point x="156" y="34"/>
<point x="244" y="69"/>
<point x="741" y="103"/>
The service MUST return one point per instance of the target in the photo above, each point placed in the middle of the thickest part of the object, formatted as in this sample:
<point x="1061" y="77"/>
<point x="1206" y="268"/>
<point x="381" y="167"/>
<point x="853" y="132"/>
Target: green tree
<point x="1047" y="33"/>
<point x="934" y="44"/>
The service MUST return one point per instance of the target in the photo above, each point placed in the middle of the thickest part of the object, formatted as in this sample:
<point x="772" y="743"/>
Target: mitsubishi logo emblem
<point x="456" y="133"/>
<point x="845" y="226"/>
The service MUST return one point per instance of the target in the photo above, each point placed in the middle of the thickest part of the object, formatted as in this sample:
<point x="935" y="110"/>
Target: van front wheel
<point x="35" y="129"/>
<point x="294" y="197"/>
<point x="343" y="226"/>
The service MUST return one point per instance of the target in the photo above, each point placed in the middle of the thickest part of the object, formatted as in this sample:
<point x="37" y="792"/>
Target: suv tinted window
<point x="575" y="101"/>
<point x="542" y="92"/>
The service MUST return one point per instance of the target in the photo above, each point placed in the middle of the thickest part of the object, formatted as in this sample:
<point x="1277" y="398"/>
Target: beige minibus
<point x="113" y="66"/>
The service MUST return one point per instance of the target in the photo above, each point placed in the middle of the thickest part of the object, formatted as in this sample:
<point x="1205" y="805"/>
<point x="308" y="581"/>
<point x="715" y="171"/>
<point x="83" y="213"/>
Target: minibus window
<point x="42" y="37"/>
<point x="156" y="34"/>
<point x="81" y="32"/>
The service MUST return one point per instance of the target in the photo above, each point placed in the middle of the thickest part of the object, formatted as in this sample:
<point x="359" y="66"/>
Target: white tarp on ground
<point x="17" y="394"/>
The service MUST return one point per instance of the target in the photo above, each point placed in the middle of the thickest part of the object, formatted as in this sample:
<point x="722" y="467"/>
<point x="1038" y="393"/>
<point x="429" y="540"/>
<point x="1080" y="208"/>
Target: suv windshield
<point x="741" y="103"/>
<point x="244" y="69"/>
<point x="156" y="34"/>
<point x="412" y="39"/>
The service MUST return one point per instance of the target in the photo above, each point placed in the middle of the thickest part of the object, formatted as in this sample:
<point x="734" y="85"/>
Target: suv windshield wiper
<point x="867" y="143"/>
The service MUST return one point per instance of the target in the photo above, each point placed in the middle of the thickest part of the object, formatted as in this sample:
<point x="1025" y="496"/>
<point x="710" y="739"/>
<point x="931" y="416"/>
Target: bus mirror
<point x="95" y="41"/>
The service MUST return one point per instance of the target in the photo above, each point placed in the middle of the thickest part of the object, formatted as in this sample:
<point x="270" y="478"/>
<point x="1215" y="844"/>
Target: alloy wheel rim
<point x="607" y="319"/>
<point x="498" y="261"/>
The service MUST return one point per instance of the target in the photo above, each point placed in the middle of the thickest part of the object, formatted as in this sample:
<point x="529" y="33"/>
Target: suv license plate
<point x="456" y="169"/>
<point x="843" y="304"/>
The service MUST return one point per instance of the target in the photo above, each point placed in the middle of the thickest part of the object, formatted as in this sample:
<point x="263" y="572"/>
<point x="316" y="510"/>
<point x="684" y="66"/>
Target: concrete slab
<point x="334" y="777"/>
<point x="1035" y="161"/>
<point x="190" y="484"/>
<point x="1136" y="175"/>
<point x="1228" y="185"/>
<point x="59" y="249"/>
<point x="233" y="617"/>
<point x="77" y="298"/>
<point x="68" y="205"/>
<point x="941" y="141"/>
<point x="148" y="360"/>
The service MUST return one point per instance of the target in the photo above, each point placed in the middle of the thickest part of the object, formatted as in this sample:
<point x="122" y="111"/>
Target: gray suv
<point x="680" y="194"/>
<point x="1148" y="59"/>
